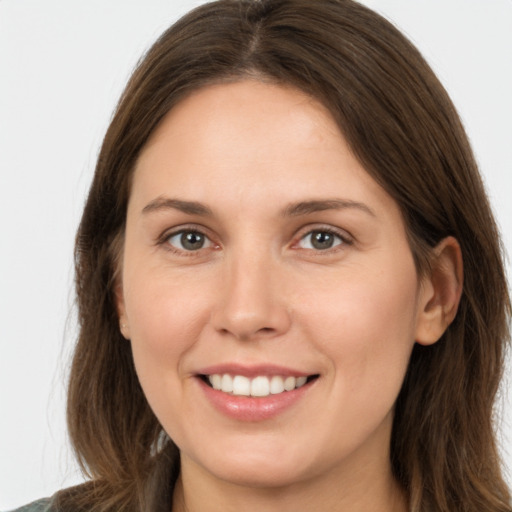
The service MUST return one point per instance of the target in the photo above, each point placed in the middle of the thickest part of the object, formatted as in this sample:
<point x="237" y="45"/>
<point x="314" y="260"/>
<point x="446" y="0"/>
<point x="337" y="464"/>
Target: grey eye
<point x="320" y="240"/>
<point x="189" y="241"/>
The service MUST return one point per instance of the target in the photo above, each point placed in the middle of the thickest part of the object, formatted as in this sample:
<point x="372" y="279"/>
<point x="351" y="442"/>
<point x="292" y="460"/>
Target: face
<point x="268" y="289"/>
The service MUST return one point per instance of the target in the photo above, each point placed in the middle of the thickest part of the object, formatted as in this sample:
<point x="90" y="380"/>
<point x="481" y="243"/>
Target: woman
<point x="290" y="285"/>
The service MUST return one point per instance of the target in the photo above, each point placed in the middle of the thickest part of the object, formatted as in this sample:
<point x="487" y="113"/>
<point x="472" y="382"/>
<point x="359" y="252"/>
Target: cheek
<point x="165" y="318"/>
<point x="365" y="325"/>
<point x="163" y="307"/>
<point x="165" y="322"/>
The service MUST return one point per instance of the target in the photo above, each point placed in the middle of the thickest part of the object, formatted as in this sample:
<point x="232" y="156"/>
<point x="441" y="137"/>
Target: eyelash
<point x="343" y="237"/>
<point x="164" y="240"/>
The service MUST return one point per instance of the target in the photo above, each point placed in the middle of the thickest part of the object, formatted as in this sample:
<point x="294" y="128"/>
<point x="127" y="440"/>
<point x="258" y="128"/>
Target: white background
<point x="63" y="64"/>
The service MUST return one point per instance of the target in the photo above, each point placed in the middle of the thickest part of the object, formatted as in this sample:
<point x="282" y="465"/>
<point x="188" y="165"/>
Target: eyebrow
<point x="292" y="210"/>
<point x="167" y="203"/>
<point x="308" y="207"/>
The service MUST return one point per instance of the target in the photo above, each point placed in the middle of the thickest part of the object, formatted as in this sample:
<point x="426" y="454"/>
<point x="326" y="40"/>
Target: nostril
<point x="248" y="322"/>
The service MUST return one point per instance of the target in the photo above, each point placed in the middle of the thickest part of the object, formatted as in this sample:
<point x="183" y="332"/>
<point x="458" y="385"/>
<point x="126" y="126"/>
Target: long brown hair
<point x="401" y="124"/>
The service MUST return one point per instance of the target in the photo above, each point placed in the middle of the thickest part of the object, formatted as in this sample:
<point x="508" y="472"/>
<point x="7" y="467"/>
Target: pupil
<point x="322" y="240"/>
<point x="192" y="241"/>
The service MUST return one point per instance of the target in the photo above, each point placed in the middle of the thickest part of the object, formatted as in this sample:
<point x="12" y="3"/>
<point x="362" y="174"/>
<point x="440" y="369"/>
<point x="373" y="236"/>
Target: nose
<point x="252" y="303"/>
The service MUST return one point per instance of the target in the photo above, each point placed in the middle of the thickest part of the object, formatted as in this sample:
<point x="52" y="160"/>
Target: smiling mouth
<point x="259" y="386"/>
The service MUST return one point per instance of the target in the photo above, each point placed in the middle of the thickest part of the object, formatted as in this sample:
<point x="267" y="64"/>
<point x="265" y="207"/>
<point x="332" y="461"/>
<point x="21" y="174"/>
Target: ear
<point x="440" y="292"/>
<point x="124" y="326"/>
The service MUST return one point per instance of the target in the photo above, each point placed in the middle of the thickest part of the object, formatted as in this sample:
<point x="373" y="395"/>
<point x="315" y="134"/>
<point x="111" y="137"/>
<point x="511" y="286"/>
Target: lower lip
<point x="245" y="408"/>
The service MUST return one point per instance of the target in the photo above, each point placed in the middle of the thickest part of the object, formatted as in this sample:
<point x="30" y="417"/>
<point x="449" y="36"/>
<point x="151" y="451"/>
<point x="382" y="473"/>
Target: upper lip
<point x="252" y="370"/>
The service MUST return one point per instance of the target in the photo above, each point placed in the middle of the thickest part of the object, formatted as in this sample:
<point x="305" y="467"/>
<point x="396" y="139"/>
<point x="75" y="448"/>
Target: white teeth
<point x="216" y="381"/>
<point x="241" y="385"/>
<point x="226" y="383"/>
<point x="276" y="385"/>
<point x="301" y="381"/>
<point x="289" y="383"/>
<point x="259" y="386"/>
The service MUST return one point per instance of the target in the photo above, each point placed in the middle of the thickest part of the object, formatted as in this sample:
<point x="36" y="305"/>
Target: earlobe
<point x="440" y="292"/>
<point x="121" y="313"/>
<point x="125" y="330"/>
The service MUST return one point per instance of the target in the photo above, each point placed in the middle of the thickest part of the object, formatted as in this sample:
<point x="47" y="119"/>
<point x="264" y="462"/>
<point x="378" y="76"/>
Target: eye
<point x="189" y="240"/>
<point x="321" y="240"/>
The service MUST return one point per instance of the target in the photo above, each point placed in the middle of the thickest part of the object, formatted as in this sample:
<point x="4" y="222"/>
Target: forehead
<point x="252" y="141"/>
<point x="224" y="118"/>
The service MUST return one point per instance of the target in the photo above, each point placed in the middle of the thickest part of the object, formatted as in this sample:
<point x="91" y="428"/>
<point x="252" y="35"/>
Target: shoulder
<point x="44" y="505"/>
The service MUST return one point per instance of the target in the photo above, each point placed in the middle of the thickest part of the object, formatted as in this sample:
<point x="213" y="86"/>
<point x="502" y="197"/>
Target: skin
<point x="259" y="292"/>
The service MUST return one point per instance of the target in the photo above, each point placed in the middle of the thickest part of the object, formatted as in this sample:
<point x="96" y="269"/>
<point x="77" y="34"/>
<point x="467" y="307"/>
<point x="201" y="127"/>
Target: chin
<point x="269" y="476"/>
<point x="260" y="467"/>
